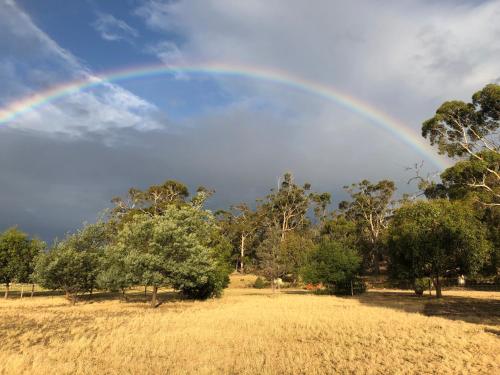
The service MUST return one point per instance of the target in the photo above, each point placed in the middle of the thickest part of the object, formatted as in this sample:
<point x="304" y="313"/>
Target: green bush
<point x="420" y="285"/>
<point x="334" y="265"/>
<point x="259" y="283"/>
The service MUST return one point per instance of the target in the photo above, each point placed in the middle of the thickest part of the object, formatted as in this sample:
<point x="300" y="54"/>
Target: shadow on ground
<point x="131" y="296"/>
<point x="468" y="309"/>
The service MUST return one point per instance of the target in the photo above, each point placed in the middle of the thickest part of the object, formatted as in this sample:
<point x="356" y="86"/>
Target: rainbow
<point x="376" y="116"/>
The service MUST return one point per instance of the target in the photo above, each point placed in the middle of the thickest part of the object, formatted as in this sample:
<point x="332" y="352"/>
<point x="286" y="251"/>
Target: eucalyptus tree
<point x="471" y="130"/>
<point x="370" y="208"/>
<point x="151" y="201"/>
<point x="287" y="206"/>
<point x="240" y="225"/>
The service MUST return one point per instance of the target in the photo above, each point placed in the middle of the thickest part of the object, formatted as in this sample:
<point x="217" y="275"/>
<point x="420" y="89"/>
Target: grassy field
<point x="251" y="331"/>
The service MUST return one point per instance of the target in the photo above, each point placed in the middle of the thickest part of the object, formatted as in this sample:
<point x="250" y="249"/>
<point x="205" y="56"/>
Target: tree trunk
<point x="242" y="252"/>
<point x="32" y="290"/>
<point x="22" y="290"/>
<point x="437" y="284"/>
<point x="145" y="290"/>
<point x="7" y="286"/>
<point x="154" y="300"/>
<point x="376" y="260"/>
<point x="273" y="284"/>
<point x="124" y="297"/>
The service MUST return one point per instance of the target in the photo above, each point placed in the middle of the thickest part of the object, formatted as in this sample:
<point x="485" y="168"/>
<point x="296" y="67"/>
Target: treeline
<point x="160" y="237"/>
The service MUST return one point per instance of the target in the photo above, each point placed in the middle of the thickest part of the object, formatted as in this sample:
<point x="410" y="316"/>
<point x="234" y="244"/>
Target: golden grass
<point x="250" y="331"/>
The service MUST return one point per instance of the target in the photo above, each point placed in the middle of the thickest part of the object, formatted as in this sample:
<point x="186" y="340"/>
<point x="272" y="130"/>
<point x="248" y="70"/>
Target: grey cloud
<point x="50" y="184"/>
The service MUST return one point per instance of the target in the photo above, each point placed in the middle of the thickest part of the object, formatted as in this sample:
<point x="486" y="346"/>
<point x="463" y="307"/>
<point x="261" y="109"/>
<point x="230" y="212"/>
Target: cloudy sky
<point x="61" y="162"/>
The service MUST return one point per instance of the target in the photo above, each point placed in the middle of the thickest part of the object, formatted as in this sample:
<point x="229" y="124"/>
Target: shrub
<point x="259" y="283"/>
<point x="333" y="264"/>
<point x="420" y="285"/>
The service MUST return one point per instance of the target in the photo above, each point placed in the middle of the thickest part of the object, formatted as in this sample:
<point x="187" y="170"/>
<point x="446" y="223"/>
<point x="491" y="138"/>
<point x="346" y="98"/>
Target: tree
<point x="370" y="208"/>
<point x="73" y="264"/>
<point x="64" y="268"/>
<point x="332" y="264"/>
<point x="296" y="249"/>
<point x="272" y="261"/>
<point x="17" y="256"/>
<point x="182" y="248"/>
<point x="240" y="226"/>
<point x="340" y="229"/>
<point x="321" y="202"/>
<point x="471" y="129"/>
<point x="431" y="238"/>
<point x="287" y="207"/>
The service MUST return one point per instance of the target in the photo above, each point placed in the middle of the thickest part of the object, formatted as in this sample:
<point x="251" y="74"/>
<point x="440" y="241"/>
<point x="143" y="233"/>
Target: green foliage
<point x="369" y="208"/>
<point x="332" y="264"/>
<point x="421" y="284"/>
<point x="182" y="248"/>
<point x="295" y="249"/>
<point x="460" y="128"/>
<point x="341" y="229"/>
<point x="259" y="283"/>
<point x="65" y="268"/>
<point x="429" y="238"/>
<point x="17" y="256"/>
<point x="73" y="264"/>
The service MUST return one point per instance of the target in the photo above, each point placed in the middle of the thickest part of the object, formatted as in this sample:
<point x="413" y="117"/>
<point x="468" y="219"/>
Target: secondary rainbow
<point x="376" y="116"/>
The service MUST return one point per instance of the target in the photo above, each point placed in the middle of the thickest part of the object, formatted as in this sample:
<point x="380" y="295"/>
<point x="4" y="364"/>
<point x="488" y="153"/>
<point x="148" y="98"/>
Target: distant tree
<point x="296" y="249"/>
<point x="287" y="206"/>
<point x="462" y="129"/>
<point x="64" y="268"/>
<point x="182" y="248"/>
<point x="17" y="256"/>
<point x="321" y="201"/>
<point x="73" y="264"/>
<point x="240" y="226"/>
<point x="431" y="238"/>
<point x="272" y="262"/>
<point x="340" y="229"/>
<point x="370" y="208"/>
<point x="113" y="274"/>
<point x="332" y="263"/>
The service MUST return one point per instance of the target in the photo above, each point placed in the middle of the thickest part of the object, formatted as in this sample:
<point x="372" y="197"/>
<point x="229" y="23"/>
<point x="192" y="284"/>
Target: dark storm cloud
<point x="51" y="184"/>
<point x="62" y="163"/>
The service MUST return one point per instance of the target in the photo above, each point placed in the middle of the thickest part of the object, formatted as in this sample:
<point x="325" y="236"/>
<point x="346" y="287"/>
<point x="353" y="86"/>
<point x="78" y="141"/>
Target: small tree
<point x="17" y="255"/>
<point x="272" y="259"/>
<point x="72" y="265"/>
<point x="431" y="238"/>
<point x="181" y="248"/>
<point x="64" y="268"/>
<point x="332" y="264"/>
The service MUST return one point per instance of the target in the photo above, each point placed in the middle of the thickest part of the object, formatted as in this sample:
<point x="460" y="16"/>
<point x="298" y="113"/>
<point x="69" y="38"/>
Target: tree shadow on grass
<point x="468" y="309"/>
<point x="133" y="297"/>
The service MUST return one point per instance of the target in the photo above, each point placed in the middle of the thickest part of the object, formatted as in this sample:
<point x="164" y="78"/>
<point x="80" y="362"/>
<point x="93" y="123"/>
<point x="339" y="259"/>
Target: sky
<point x="63" y="160"/>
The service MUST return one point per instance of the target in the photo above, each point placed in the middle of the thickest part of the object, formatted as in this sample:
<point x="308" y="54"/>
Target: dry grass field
<point x="250" y="331"/>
